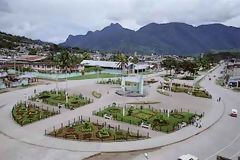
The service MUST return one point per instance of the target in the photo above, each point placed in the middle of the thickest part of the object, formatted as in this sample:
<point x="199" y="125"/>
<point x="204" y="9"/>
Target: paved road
<point x="221" y="139"/>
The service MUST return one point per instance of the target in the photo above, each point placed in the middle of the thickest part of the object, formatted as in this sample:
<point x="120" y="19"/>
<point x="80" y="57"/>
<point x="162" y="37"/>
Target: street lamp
<point x="25" y="98"/>
<point x="98" y="70"/>
<point x="66" y="78"/>
<point x="194" y="81"/>
<point x="66" y="94"/>
<point x="56" y="82"/>
<point x="171" y="84"/>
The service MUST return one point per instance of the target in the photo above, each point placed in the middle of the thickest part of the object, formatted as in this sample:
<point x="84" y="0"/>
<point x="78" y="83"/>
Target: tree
<point x="169" y="64"/>
<point x="32" y="52"/>
<point x="51" y="55"/>
<point x="130" y="111"/>
<point x="83" y="72"/>
<point x="86" y="56"/>
<point x="66" y="60"/>
<point x="135" y="60"/>
<point x="122" y="61"/>
<point x="98" y="69"/>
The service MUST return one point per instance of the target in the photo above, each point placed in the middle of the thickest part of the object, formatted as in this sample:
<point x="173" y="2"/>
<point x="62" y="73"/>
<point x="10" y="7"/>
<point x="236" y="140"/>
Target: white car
<point x="234" y="113"/>
<point x="187" y="157"/>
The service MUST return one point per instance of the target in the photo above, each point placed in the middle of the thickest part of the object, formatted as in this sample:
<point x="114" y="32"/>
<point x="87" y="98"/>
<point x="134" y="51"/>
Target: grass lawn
<point x="23" y="115"/>
<point x="52" y="98"/>
<point x="93" y="76"/>
<point x="158" y="120"/>
<point x="94" y="132"/>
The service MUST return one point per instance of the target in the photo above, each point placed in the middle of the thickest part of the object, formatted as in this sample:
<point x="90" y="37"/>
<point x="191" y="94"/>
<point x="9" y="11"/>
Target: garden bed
<point x="24" y="115"/>
<point x="189" y="90"/>
<point x="88" y="131"/>
<point x="158" y="119"/>
<point x="54" y="98"/>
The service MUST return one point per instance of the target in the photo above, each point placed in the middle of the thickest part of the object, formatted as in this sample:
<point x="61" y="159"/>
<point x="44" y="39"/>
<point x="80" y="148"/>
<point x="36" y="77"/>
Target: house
<point x="30" y="58"/>
<point x="234" y="82"/>
<point x="2" y="76"/>
<point x="232" y="73"/>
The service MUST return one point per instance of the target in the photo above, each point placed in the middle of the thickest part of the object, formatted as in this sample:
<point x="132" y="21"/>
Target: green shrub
<point x="96" y="94"/>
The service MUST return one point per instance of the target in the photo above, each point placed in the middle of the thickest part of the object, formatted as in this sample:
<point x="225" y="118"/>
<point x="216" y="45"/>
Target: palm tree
<point x="67" y="61"/>
<point x="122" y="61"/>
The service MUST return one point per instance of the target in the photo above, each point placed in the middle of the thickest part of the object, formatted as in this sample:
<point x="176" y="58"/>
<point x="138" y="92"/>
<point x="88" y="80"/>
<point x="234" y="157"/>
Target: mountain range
<point x="169" y="38"/>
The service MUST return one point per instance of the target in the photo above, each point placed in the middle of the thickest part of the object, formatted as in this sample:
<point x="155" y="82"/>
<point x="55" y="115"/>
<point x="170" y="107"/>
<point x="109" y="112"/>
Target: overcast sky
<point x="54" y="20"/>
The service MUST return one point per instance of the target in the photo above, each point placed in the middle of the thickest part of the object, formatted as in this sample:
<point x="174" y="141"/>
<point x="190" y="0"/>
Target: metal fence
<point x="98" y="121"/>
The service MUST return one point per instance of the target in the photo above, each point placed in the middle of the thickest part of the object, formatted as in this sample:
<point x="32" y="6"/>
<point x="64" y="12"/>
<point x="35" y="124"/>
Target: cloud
<point x="52" y="20"/>
<point x="4" y="7"/>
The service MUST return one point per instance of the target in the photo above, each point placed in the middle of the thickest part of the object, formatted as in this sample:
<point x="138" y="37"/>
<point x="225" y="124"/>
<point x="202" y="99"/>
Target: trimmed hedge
<point x="96" y="94"/>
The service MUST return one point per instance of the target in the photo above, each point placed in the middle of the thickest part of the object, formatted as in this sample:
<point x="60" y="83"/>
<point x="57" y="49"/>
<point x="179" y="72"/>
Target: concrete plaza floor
<point x="29" y="141"/>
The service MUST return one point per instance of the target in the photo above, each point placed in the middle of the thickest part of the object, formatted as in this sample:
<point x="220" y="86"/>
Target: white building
<point x="134" y="68"/>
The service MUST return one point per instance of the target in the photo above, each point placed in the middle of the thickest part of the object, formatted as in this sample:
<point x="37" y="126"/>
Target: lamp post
<point x="66" y="79"/>
<point x="98" y="70"/>
<point x="171" y="84"/>
<point x="56" y="83"/>
<point x="194" y="80"/>
<point x="66" y="97"/>
<point x="25" y="98"/>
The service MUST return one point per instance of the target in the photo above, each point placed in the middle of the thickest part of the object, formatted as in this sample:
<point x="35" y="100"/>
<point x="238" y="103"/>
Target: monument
<point x="132" y="86"/>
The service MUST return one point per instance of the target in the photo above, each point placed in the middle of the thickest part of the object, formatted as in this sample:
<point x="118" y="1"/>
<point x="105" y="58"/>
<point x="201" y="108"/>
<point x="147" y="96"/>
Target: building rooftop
<point x="30" y="58"/>
<point x="111" y="64"/>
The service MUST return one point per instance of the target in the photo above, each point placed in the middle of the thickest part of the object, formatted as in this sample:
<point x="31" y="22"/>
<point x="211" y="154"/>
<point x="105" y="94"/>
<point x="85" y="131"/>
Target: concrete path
<point x="221" y="139"/>
<point x="33" y="134"/>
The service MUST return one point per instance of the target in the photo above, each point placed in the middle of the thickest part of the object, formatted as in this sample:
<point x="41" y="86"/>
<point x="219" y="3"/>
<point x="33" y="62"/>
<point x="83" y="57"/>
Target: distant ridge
<point x="176" y="38"/>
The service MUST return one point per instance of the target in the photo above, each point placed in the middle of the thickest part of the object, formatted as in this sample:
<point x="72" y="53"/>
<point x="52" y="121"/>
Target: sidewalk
<point x="47" y="106"/>
<point x="34" y="133"/>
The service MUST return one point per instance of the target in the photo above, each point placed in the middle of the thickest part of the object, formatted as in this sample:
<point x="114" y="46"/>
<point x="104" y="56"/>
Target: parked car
<point x="234" y="113"/>
<point x="187" y="157"/>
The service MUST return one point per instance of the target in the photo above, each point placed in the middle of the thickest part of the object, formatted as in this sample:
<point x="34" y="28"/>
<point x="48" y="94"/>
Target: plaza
<point x="37" y="133"/>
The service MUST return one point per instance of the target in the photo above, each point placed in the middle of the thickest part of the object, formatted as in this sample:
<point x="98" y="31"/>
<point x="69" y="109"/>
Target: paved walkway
<point x="49" y="107"/>
<point x="33" y="133"/>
